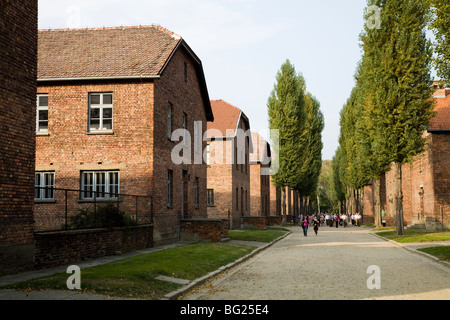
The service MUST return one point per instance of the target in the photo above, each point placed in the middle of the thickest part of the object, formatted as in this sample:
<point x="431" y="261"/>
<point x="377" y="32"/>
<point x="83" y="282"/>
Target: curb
<point x="415" y="251"/>
<point x="195" y="283"/>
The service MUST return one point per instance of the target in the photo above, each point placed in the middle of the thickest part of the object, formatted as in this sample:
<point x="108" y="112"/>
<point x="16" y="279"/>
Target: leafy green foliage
<point x="441" y="28"/>
<point x="103" y="216"/>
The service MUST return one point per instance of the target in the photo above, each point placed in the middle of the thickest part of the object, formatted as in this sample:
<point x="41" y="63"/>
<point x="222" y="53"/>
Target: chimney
<point x="440" y="91"/>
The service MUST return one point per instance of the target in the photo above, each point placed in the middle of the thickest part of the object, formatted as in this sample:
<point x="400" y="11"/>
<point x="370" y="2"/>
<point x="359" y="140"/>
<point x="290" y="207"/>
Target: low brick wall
<point x="212" y="230"/>
<point x="68" y="247"/>
<point x="260" y="223"/>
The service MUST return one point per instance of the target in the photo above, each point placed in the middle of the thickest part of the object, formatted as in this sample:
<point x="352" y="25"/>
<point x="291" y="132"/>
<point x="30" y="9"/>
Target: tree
<point x="286" y="108"/>
<point x="401" y="99"/>
<point x="338" y="187"/>
<point x="440" y="25"/>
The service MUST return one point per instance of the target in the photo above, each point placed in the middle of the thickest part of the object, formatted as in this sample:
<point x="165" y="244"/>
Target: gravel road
<point x="332" y="265"/>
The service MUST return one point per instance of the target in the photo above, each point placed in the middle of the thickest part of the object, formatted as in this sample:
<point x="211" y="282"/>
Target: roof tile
<point x="104" y="52"/>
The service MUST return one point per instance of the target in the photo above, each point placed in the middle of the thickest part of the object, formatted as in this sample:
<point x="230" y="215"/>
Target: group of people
<point x="317" y="220"/>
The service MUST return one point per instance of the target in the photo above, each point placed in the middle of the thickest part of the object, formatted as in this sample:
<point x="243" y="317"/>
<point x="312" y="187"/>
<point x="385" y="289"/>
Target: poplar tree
<point x="441" y="28"/>
<point x="401" y="97"/>
<point x="286" y="108"/>
<point x="313" y="145"/>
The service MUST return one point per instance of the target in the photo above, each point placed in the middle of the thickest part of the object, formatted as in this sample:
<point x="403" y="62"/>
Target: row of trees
<point x="389" y="109"/>
<point x="296" y="116"/>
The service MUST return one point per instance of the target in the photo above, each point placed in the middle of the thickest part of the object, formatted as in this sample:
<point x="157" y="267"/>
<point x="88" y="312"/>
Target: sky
<point x="243" y="43"/>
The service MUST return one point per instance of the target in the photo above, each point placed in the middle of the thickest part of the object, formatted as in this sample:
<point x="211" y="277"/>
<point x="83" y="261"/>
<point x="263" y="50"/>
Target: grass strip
<point x="135" y="277"/>
<point x="416" y="236"/>
<point x="255" y="235"/>
<point x="442" y="253"/>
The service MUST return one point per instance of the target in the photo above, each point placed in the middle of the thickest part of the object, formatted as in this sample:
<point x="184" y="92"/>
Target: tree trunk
<point x="399" y="199"/>
<point x="377" y="202"/>
<point x="283" y="206"/>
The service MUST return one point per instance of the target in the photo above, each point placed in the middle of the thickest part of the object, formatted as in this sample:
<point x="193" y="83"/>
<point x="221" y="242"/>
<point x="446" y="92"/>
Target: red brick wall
<point x="18" y="68"/>
<point x="275" y="199"/>
<point x="425" y="185"/>
<point x="69" y="149"/>
<point x="441" y="158"/>
<point x="186" y="97"/>
<point x="213" y="230"/>
<point x="226" y="178"/>
<point x="65" y="248"/>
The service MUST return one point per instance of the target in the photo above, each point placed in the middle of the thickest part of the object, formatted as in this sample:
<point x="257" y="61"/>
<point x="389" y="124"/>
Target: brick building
<point x="18" y="65"/>
<point x="228" y="153"/>
<point x="259" y="176"/>
<point x="426" y="181"/>
<point x="108" y="101"/>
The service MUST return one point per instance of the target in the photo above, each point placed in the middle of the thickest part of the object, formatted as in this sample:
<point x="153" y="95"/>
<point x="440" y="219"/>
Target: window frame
<point x="107" y="183"/>
<point x="169" y="121"/>
<point x="210" y="197"/>
<point x="169" y="188"/>
<point x="101" y="106"/>
<point x="196" y="192"/>
<point x="43" y="187"/>
<point x="41" y="108"/>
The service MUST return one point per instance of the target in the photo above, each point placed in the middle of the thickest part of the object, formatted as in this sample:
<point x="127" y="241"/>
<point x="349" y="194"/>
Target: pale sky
<point x="243" y="43"/>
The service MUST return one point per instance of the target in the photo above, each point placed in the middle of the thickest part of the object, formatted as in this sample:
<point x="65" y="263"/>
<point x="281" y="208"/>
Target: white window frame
<point x="100" y="185"/>
<point x="44" y="189"/>
<point x="102" y="106"/>
<point x="38" y="109"/>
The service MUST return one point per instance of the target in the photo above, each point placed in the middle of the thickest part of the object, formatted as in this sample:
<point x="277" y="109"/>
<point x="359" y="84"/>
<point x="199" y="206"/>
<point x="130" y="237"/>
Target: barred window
<point x="102" y="185"/>
<point x="44" y="184"/>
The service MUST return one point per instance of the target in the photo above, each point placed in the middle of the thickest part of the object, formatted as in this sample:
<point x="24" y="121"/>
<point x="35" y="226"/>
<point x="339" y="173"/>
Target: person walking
<point x="305" y="226"/>
<point x="336" y="219"/>
<point x="316" y="224"/>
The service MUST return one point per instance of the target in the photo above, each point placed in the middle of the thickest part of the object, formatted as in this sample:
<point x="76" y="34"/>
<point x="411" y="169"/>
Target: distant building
<point x="109" y="101"/>
<point x="229" y="143"/>
<point x="18" y="65"/>
<point x="259" y="176"/>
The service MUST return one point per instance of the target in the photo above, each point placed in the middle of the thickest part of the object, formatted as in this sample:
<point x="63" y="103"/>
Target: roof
<point x="104" y="52"/>
<point x="441" y="122"/>
<point x="261" y="149"/>
<point x="111" y="53"/>
<point x="226" y="118"/>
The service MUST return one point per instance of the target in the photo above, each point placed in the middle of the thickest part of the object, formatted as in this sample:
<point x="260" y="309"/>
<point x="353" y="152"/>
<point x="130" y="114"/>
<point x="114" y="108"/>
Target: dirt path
<point x="332" y="265"/>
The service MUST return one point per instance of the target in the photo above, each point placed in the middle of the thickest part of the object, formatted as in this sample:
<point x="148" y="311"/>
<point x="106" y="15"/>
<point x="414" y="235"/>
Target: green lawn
<point x="442" y="253"/>
<point x="415" y="236"/>
<point x="256" y="235"/>
<point x="135" y="277"/>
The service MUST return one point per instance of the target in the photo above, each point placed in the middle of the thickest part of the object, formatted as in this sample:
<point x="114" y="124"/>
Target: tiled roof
<point x="226" y="117"/>
<point x="104" y="52"/>
<point x="442" y="119"/>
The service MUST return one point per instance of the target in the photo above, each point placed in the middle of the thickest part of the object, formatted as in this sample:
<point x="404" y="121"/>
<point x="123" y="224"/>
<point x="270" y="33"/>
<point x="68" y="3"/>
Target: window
<point x="169" y="121"/>
<point x="196" y="192"/>
<point x="42" y="114"/>
<point x="237" y="199"/>
<point x="100" y="112"/>
<point x="184" y="128"/>
<point x="44" y="184"/>
<point x="170" y="188"/>
<point x="101" y="185"/>
<point x="210" y="197"/>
